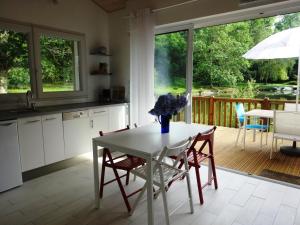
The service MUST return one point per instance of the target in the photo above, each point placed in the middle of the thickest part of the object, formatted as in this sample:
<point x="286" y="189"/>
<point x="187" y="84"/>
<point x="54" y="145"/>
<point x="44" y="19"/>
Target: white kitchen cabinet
<point x="99" y="118"/>
<point x="31" y="142"/>
<point x="10" y="164"/>
<point x="117" y="117"/>
<point x="77" y="132"/>
<point x="53" y="138"/>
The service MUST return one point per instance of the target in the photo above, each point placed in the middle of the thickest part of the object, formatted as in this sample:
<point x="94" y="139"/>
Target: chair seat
<point x="287" y="136"/>
<point x="168" y="172"/>
<point x="128" y="163"/>
<point x="200" y="158"/>
<point x="256" y="126"/>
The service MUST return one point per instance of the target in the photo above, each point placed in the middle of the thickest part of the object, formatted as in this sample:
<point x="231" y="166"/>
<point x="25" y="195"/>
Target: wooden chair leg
<point x="102" y="174"/>
<point x="127" y="177"/>
<point x="213" y="167"/>
<point x="199" y="185"/>
<point x="120" y="183"/>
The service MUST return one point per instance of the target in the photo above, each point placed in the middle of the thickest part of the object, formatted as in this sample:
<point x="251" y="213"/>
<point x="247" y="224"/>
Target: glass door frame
<point x="189" y="62"/>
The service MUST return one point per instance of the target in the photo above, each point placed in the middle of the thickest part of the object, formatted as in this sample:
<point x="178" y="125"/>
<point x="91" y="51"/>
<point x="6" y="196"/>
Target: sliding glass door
<point x="172" y="56"/>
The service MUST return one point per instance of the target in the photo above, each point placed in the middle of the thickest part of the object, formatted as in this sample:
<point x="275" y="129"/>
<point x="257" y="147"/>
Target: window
<point x="59" y="64"/>
<point x="54" y="69"/>
<point x="14" y="61"/>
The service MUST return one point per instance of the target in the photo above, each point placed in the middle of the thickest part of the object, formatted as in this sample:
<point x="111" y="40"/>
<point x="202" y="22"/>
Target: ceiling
<point x="111" y="5"/>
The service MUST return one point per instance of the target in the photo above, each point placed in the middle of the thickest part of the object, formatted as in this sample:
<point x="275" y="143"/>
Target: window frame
<point x="37" y="32"/>
<point x="14" y="97"/>
<point x="34" y="32"/>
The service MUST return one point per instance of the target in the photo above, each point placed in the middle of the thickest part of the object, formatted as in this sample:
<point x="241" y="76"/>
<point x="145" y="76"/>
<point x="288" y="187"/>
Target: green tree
<point x="13" y="60"/>
<point x="170" y="57"/>
<point x="217" y="54"/>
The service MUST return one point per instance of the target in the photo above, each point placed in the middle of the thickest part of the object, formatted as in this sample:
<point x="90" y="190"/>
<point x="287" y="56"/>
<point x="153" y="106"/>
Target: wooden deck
<point x="253" y="160"/>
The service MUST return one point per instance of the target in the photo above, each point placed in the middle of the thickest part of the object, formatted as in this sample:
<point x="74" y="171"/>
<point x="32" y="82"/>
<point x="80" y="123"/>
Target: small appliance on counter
<point x="105" y="96"/>
<point x="118" y="93"/>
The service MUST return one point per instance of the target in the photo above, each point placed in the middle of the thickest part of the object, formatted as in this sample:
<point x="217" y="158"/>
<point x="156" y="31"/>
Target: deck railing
<point x="221" y="111"/>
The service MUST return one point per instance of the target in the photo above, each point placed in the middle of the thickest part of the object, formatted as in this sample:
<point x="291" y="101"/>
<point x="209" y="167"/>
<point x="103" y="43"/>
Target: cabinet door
<point x="99" y="121"/>
<point x="77" y="136"/>
<point x="53" y="138"/>
<point x="31" y="142"/>
<point x="117" y="117"/>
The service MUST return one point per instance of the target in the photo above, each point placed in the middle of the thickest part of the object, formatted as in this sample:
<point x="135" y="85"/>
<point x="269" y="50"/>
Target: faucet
<point x="29" y="103"/>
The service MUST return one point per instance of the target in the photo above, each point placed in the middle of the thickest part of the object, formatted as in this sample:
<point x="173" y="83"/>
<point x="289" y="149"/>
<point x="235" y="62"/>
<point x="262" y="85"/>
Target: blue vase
<point x="165" y="123"/>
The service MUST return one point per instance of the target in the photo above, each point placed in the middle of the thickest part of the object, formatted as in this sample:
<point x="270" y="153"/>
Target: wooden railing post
<point x="266" y="104"/>
<point x="211" y="111"/>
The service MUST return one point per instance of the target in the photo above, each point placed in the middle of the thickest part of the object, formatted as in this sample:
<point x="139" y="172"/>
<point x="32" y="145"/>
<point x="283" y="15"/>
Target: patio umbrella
<point x="282" y="45"/>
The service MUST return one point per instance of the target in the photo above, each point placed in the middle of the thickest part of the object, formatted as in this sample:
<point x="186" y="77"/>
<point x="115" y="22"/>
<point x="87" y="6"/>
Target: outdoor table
<point x="145" y="142"/>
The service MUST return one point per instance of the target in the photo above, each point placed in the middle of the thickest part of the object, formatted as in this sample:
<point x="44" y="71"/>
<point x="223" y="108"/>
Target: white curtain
<point x="141" y="67"/>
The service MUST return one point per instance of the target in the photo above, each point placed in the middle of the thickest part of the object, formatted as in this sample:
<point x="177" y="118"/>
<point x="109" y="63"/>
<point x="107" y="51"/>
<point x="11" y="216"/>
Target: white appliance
<point x="10" y="163"/>
<point x="77" y="133"/>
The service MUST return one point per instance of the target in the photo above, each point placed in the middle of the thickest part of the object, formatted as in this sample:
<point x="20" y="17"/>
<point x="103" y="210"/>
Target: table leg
<point x="96" y="174"/>
<point x="150" y="191"/>
<point x="245" y="124"/>
<point x="268" y="129"/>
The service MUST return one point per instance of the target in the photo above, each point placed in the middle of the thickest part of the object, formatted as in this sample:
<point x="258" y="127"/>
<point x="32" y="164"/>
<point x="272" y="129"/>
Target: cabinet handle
<point x="32" y="121"/>
<point x="92" y="123"/>
<point x="6" y="124"/>
<point x="49" y="119"/>
<point x="99" y="112"/>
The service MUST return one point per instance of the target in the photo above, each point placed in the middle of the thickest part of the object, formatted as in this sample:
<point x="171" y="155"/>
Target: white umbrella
<point x="282" y="45"/>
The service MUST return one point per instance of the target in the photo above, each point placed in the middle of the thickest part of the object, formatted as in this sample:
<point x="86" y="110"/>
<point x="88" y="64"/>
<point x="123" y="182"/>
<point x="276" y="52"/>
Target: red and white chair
<point x="123" y="162"/>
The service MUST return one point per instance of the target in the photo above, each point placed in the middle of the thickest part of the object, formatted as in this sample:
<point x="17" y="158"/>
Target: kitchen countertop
<point x="12" y="114"/>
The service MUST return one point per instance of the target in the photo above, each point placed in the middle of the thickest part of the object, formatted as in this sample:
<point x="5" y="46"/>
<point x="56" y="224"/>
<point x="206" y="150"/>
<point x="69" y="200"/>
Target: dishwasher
<point x="10" y="162"/>
<point x="77" y="133"/>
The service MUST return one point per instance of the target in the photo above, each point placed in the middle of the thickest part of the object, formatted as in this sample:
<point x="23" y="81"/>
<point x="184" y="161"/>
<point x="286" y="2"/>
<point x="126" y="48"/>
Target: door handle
<point x="7" y="124"/>
<point x="49" y="119"/>
<point x="99" y="112"/>
<point x="32" y="121"/>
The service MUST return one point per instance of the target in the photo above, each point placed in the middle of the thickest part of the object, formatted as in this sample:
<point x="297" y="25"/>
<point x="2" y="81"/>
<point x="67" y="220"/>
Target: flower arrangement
<point x="168" y="105"/>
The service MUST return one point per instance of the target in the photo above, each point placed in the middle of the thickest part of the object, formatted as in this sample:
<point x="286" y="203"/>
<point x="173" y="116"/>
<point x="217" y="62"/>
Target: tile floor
<point x="66" y="198"/>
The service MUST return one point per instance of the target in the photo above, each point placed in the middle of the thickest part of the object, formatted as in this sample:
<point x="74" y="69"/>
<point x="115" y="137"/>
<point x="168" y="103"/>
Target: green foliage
<point x="56" y="59"/>
<point x="170" y="55"/>
<point x="288" y="21"/>
<point x="218" y="54"/>
<point x="18" y="77"/>
<point x="248" y="91"/>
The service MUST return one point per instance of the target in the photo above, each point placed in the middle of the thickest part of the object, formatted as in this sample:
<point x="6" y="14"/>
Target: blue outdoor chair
<point x="240" y="111"/>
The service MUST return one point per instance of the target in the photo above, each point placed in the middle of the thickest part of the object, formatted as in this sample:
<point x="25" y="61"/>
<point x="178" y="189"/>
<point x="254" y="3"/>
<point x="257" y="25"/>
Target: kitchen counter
<point x="23" y="112"/>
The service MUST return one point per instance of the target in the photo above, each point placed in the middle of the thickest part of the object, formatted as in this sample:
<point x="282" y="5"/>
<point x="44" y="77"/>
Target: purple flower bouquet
<point x="166" y="106"/>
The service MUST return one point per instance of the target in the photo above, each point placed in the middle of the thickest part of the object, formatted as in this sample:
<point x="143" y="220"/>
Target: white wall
<point x="81" y="16"/>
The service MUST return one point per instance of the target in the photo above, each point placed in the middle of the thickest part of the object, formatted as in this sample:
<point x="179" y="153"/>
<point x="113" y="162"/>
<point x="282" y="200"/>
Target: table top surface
<point x="260" y="113"/>
<point x="148" y="141"/>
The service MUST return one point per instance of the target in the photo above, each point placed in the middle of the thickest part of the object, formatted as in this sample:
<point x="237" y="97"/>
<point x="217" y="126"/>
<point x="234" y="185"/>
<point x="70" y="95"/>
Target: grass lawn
<point x="46" y="88"/>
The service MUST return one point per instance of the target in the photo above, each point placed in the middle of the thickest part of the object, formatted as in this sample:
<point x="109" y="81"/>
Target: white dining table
<point x="260" y="113"/>
<point x="145" y="142"/>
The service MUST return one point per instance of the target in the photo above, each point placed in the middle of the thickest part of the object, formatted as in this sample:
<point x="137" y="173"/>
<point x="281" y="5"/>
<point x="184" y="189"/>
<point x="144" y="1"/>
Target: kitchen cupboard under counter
<point x="40" y="111"/>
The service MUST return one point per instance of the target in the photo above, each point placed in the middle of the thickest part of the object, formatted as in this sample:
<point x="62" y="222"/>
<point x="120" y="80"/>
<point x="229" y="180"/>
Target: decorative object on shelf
<point x="103" y="68"/>
<point x="166" y="106"/>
